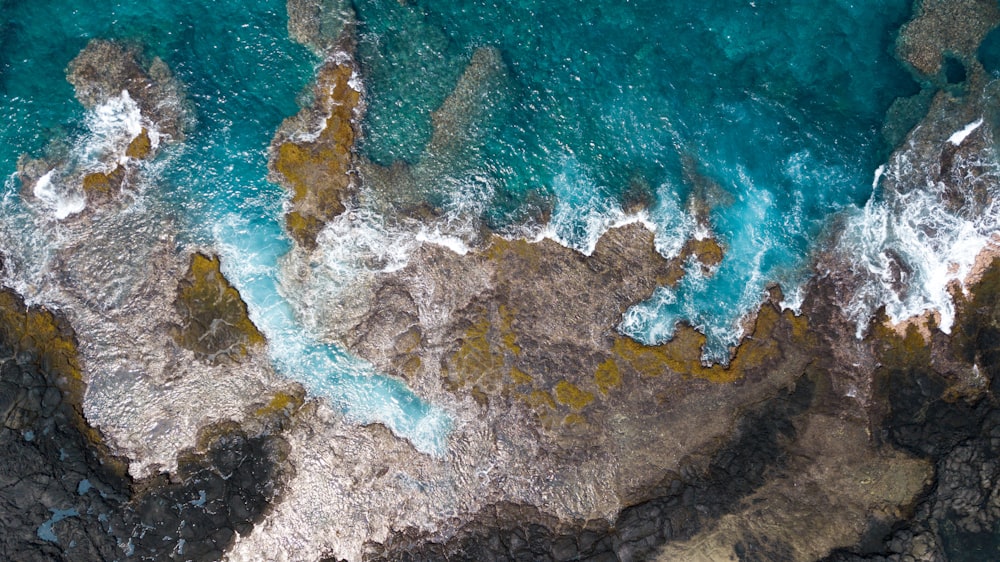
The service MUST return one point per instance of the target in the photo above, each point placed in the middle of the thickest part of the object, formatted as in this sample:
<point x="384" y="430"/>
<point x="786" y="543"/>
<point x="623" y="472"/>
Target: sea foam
<point x="911" y="245"/>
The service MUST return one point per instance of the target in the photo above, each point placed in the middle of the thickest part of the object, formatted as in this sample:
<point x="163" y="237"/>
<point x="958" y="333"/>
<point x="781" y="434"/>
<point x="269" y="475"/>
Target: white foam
<point x="911" y="247"/>
<point x="63" y="202"/>
<point x="959" y="136"/>
<point x="112" y="125"/>
<point x="878" y="176"/>
<point x="434" y="236"/>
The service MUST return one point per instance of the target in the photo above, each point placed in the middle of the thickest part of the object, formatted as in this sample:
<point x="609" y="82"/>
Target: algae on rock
<point x="319" y="171"/>
<point x="214" y="320"/>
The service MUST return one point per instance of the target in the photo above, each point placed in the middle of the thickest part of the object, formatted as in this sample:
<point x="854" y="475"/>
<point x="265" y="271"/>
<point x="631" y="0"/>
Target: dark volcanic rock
<point x="60" y="492"/>
<point x="685" y="501"/>
<point x="217" y="494"/>
<point x="64" y="497"/>
<point x="931" y="415"/>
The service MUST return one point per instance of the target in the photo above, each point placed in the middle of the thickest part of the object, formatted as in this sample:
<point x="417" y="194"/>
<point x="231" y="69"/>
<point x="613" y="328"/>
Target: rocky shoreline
<point x="142" y="421"/>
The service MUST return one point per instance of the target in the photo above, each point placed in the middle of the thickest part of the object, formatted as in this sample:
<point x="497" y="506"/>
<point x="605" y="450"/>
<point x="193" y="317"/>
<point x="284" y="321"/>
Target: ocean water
<point x="750" y="121"/>
<point x="243" y="75"/>
<point x="768" y="113"/>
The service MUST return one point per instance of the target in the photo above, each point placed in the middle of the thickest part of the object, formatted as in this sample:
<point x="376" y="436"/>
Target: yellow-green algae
<point x="491" y="359"/>
<point x="140" y="147"/>
<point x="38" y="331"/>
<point x="569" y="394"/>
<point x="103" y="186"/>
<point x="319" y="172"/>
<point x="481" y="363"/>
<point x="608" y="376"/>
<point x="682" y="354"/>
<point x="281" y="408"/>
<point x="215" y="324"/>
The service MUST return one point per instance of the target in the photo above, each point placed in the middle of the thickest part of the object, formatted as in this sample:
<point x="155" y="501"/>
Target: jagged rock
<point x="318" y="168"/>
<point x="111" y="74"/>
<point x="63" y="496"/>
<point x="214" y="320"/>
<point x="319" y="24"/>
<point x="104" y="68"/>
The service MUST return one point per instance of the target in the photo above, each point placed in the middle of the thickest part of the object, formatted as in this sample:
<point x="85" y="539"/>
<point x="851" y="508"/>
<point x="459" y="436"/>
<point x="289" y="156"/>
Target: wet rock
<point x="214" y="320"/>
<point x="682" y="506"/>
<point x="63" y="496"/>
<point x="223" y="491"/>
<point x="104" y="68"/>
<point x="317" y="167"/>
<point x="945" y="26"/>
<point x="150" y="107"/>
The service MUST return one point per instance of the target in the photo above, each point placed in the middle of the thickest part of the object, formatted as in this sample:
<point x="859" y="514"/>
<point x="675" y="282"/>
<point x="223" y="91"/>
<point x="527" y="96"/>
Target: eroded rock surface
<point x="319" y="24"/>
<point x="65" y="497"/>
<point x="318" y="168"/>
<point x="942" y="26"/>
<point x="104" y="68"/>
<point x="214" y="321"/>
<point x="137" y="106"/>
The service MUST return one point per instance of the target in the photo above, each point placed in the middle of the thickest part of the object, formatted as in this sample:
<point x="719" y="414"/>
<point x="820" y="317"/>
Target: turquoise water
<point x="768" y="113"/>
<point x="243" y="75"/>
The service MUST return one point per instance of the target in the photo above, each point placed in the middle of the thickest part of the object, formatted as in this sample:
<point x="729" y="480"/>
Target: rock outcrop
<point x="104" y="68"/>
<point x="318" y="168"/>
<point x="141" y="105"/>
<point x="66" y="497"/>
<point x="945" y="26"/>
<point x="214" y="321"/>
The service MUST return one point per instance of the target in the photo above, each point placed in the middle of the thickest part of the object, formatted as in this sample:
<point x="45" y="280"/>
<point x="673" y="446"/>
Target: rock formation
<point x="116" y="79"/>
<point x="214" y="321"/>
<point x="68" y="497"/>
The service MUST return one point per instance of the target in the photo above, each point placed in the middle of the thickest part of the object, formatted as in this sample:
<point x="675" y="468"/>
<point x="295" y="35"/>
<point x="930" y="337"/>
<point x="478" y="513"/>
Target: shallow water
<point x="243" y="75"/>
<point x="769" y="112"/>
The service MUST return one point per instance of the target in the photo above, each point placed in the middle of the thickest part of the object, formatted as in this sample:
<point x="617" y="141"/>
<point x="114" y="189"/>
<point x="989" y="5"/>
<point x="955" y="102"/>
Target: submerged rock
<point x="319" y="24"/>
<point x="945" y="26"/>
<point x="423" y="188"/>
<point x="214" y="320"/>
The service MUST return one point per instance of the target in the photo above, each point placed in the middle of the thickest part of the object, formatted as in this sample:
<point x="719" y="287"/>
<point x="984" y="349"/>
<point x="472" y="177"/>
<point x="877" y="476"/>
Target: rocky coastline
<point x="570" y="441"/>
